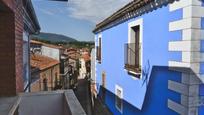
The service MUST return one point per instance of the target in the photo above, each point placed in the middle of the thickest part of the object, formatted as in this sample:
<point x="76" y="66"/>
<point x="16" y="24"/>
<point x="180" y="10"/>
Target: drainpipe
<point x="29" y="67"/>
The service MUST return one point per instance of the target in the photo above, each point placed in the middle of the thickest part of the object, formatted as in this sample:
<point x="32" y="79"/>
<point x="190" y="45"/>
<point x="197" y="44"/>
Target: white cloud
<point x="48" y="12"/>
<point x="94" y="10"/>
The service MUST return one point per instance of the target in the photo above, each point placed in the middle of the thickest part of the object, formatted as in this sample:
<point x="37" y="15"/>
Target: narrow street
<point x="100" y="109"/>
<point x="83" y="95"/>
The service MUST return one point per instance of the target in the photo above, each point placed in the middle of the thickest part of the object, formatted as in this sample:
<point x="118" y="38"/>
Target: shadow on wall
<point x="156" y="96"/>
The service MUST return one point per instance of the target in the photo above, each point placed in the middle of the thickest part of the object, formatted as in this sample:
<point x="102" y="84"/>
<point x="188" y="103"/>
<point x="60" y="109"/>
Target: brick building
<point x="13" y="15"/>
<point x="48" y="73"/>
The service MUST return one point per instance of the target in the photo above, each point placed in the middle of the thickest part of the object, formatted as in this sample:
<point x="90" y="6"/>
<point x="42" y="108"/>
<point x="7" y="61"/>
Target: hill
<point x="54" y="38"/>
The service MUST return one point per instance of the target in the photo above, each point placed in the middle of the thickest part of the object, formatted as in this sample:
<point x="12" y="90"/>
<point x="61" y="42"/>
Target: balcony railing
<point x="62" y="102"/>
<point x="132" y="57"/>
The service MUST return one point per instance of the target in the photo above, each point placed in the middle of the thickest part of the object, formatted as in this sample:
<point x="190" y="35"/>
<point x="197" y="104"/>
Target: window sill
<point x="133" y="69"/>
<point x="99" y="61"/>
<point x="136" y="72"/>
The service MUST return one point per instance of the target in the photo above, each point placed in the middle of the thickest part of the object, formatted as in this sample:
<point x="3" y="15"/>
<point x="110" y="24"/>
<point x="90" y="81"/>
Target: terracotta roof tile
<point x="42" y="62"/>
<point x="46" y="44"/>
<point x="36" y="42"/>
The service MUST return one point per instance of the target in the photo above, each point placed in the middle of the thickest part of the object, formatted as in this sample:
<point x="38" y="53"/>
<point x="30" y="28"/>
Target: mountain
<point x="53" y="37"/>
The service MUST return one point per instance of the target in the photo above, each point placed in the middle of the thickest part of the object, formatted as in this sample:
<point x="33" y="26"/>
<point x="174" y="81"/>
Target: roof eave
<point x="130" y="7"/>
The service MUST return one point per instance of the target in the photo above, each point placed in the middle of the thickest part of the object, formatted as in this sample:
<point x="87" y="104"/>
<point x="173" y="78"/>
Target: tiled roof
<point x="42" y="62"/>
<point x="72" y="53"/>
<point x="130" y="7"/>
<point x="46" y="44"/>
<point x="71" y="49"/>
<point x="36" y="42"/>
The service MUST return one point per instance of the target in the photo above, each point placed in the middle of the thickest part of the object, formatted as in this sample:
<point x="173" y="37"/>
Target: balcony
<point x="132" y="58"/>
<point x="42" y="103"/>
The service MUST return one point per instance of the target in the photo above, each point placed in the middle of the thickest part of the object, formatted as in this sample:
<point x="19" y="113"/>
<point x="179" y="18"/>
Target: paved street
<point x="100" y="109"/>
<point x="84" y="98"/>
<point x="83" y="95"/>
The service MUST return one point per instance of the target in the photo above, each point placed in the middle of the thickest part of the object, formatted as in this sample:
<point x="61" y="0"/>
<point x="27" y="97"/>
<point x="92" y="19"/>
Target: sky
<point x="75" y="18"/>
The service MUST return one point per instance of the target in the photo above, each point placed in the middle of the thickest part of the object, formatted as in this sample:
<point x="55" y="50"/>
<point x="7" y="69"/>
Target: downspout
<point x="29" y="65"/>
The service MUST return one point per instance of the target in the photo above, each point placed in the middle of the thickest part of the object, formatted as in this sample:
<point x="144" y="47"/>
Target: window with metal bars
<point x="133" y="52"/>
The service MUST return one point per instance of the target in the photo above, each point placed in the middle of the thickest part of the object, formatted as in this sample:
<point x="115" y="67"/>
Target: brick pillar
<point x="19" y="45"/>
<point x="11" y="42"/>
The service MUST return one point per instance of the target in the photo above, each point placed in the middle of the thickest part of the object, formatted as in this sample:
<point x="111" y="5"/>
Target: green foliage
<point x="76" y="44"/>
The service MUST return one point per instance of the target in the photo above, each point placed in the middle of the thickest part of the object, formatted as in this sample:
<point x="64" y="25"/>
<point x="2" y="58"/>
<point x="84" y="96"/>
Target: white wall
<point x="51" y="52"/>
<point x="93" y="75"/>
<point x="82" y="71"/>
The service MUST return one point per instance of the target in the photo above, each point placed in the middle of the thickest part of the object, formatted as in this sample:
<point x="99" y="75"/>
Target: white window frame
<point x="138" y="22"/>
<point x="117" y="87"/>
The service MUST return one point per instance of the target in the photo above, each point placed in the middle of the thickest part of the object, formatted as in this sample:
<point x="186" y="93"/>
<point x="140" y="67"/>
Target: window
<point x="56" y="79"/>
<point x="133" y="53"/>
<point x="104" y="79"/>
<point x="118" y="98"/>
<point x="98" y="49"/>
<point x="45" y="87"/>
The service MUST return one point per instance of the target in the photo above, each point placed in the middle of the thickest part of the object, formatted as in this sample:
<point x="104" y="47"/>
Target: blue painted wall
<point x="201" y="91"/>
<point x="157" y="95"/>
<point x="202" y="47"/>
<point x="156" y="37"/>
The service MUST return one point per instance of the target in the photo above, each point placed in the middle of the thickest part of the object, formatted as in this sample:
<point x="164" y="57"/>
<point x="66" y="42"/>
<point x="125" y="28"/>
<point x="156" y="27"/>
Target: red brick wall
<point x="19" y="46"/>
<point x="7" y="54"/>
<point x="11" y="42"/>
<point x="35" y="87"/>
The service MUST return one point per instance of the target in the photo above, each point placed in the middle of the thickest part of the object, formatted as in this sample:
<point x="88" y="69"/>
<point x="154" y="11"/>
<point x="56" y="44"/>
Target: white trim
<point x="192" y="57"/>
<point x="138" y="22"/>
<point x="187" y="23"/>
<point x="178" y="64"/>
<point x="178" y="87"/>
<point x="195" y="67"/>
<point x="186" y="57"/>
<point x="190" y="79"/>
<point x="177" y="107"/>
<point x="183" y="3"/>
<point x="193" y="11"/>
<point x="192" y="34"/>
<point x="184" y="46"/>
<point x="180" y="46"/>
<point x="117" y="87"/>
<point x="134" y="73"/>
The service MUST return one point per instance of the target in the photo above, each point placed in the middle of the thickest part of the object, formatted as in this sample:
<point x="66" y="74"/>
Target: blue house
<point x="150" y="58"/>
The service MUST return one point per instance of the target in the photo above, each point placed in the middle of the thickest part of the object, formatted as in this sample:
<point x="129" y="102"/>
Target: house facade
<point x="93" y="76"/>
<point x="149" y="58"/>
<point x="64" y="69"/>
<point x="14" y="24"/>
<point x="31" y="26"/>
<point x="84" y="70"/>
<point x="48" y="74"/>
